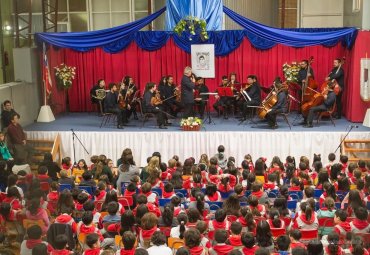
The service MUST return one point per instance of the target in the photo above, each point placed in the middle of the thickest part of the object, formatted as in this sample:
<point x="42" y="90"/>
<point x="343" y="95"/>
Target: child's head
<point x="220" y="215"/>
<point x="257" y="186"/>
<point x="87" y="176"/>
<point x="131" y="187"/>
<point x="329" y="203"/>
<point x="351" y="167"/>
<point x="158" y="238"/>
<point x="361" y="213"/>
<point x="112" y="208"/>
<point x="248" y="240"/>
<point x="331" y="157"/>
<point x="175" y="201"/>
<point x="333" y="239"/>
<point x="271" y="178"/>
<point x="362" y="163"/>
<point x="192" y="238"/>
<point x="309" y="192"/>
<point x="168" y="187"/>
<point x="343" y="159"/>
<point x="315" y="247"/>
<point x="67" y="161"/>
<point x="128" y="240"/>
<point x="193" y="215"/>
<point x="340" y="216"/>
<point x="274" y="215"/>
<point x="54" y="186"/>
<point x="262" y="251"/>
<point x="211" y="189"/>
<point x="146" y="187"/>
<point x="283" y="243"/>
<point x="87" y="218"/>
<point x="92" y="241"/>
<point x="202" y="226"/>
<point x="221" y="236"/>
<point x="142" y="199"/>
<point x="236" y="228"/>
<point x="94" y="159"/>
<point x="34" y="232"/>
<point x="89" y="206"/>
<point x="253" y="201"/>
<point x="13" y="192"/>
<point x="142" y="251"/>
<point x="295" y="235"/>
<point x="60" y="242"/>
<point x="238" y="189"/>
<point x="42" y="170"/>
<point x="295" y="182"/>
<point x="149" y="221"/>
<point x="357" y="173"/>
<point x="82" y="197"/>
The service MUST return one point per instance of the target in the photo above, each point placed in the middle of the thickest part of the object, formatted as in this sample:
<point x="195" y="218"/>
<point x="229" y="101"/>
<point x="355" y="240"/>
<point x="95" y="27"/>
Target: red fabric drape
<point x="145" y="66"/>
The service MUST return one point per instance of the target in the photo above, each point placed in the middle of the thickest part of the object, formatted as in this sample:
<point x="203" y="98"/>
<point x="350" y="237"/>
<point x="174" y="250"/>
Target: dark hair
<point x="307" y="210"/>
<point x="354" y="199"/>
<point x="341" y="214"/>
<point x="87" y="218"/>
<point x="34" y="206"/>
<point x="34" y="232"/>
<point x="176" y="180"/>
<point x="248" y="240"/>
<point x="236" y="228"/>
<point x="315" y="247"/>
<point x="141" y="251"/>
<point x="40" y="249"/>
<point x="333" y="239"/>
<point x="192" y="238"/>
<point x="232" y="205"/>
<point x="91" y="239"/>
<point x="193" y="215"/>
<point x="335" y="171"/>
<point x="330" y="190"/>
<point x="182" y="218"/>
<point x="280" y="203"/>
<point x="275" y="218"/>
<point x="12" y="180"/>
<point x="253" y="203"/>
<point x="167" y="215"/>
<point x="299" y="251"/>
<point x="182" y="251"/>
<point x="343" y="159"/>
<point x="42" y="170"/>
<point x="211" y="189"/>
<point x="361" y="213"/>
<point x="331" y="156"/>
<point x="249" y="219"/>
<point x="309" y="192"/>
<point x="158" y="238"/>
<point x="200" y="202"/>
<point x="262" y="251"/>
<point x="259" y="167"/>
<point x="221" y="235"/>
<point x="141" y="210"/>
<point x="343" y="184"/>
<point x="127" y="221"/>
<point x="60" y="241"/>
<point x="82" y="197"/>
<point x="128" y="240"/>
<point x="296" y="234"/>
<point x="263" y="234"/>
<point x="220" y="215"/>
<point x="13" y="192"/>
<point x="113" y="208"/>
<point x="283" y="242"/>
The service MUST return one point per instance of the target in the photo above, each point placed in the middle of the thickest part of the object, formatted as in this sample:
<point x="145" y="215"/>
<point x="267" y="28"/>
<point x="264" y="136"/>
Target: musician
<point x="302" y="74"/>
<point x="201" y="100"/>
<point x="111" y="106"/>
<point x="93" y="95"/>
<point x="171" y="89"/>
<point x="233" y="80"/>
<point x="187" y="94"/>
<point x="280" y="105"/>
<point x="130" y="87"/>
<point x="337" y="73"/>
<point x="328" y="103"/>
<point x="235" y="84"/>
<point x="223" y="101"/>
<point x="253" y="90"/>
<point x="148" y="107"/>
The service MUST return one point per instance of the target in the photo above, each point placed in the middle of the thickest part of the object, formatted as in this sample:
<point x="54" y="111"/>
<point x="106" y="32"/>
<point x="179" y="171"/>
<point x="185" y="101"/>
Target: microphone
<point x="353" y="126"/>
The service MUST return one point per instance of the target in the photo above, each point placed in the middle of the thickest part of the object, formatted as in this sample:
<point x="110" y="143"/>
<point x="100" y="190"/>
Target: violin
<point x="156" y="100"/>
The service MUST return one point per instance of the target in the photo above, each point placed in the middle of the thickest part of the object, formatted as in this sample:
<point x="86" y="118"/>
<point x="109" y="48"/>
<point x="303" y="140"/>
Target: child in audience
<point x="357" y="246"/>
<point x="128" y="241"/>
<point x="43" y="175"/>
<point x="327" y="211"/>
<point x="199" y="203"/>
<point x="227" y="183"/>
<point x="192" y="239"/>
<point x="249" y="243"/>
<point x="334" y="245"/>
<point x="93" y="243"/>
<point x="295" y="235"/>
<point x="193" y="217"/>
<point x="89" y="206"/>
<point x="342" y="227"/>
<point x="331" y="158"/>
<point x="257" y="190"/>
<point x="13" y="198"/>
<point x="146" y="190"/>
<point x="235" y="234"/>
<point x="143" y="200"/>
<point x="87" y="179"/>
<point x="87" y="226"/>
<point x="81" y="199"/>
<point x="362" y="166"/>
<point x="274" y="219"/>
<point x="247" y="220"/>
<point x="112" y="216"/>
<point x="296" y="185"/>
<point x="329" y="191"/>
<point x="149" y="224"/>
<point x="344" y="161"/>
<point x="100" y="191"/>
<point x="264" y="235"/>
<point x="53" y="197"/>
<point x="360" y="224"/>
<point x="352" y="200"/>
<point x="239" y="191"/>
<point x="159" y="245"/>
<point x="307" y="219"/>
<point x="308" y="193"/>
<point x="271" y="182"/>
<point x="283" y="244"/>
<point x="221" y="248"/>
<point x="66" y="218"/>
<point x="34" y="234"/>
<point x="179" y="230"/>
<point x="256" y="208"/>
<point x="220" y="221"/>
<point x="202" y="227"/>
<point x="168" y="191"/>
<point x="35" y="212"/>
<point x="177" y="206"/>
<point x="12" y="182"/>
<point x="60" y="245"/>
<point x="212" y="194"/>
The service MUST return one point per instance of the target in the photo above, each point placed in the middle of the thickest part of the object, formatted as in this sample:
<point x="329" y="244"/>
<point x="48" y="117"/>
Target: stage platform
<point x="255" y="139"/>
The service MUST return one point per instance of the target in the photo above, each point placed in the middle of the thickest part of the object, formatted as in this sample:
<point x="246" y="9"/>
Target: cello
<point x="270" y="100"/>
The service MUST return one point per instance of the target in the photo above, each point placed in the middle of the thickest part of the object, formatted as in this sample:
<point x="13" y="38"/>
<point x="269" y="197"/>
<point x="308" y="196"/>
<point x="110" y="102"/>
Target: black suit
<point x="187" y="96"/>
<point x="254" y="92"/>
<point x="5" y="118"/>
<point x="328" y="103"/>
<point x="338" y="75"/>
<point x="202" y="103"/>
<point x="149" y="108"/>
<point x="279" y="107"/>
<point x="111" y="106"/>
<point x="170" y="105"/>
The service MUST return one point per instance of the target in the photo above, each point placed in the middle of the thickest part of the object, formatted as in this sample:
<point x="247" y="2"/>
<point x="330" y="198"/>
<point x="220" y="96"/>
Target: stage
<point x="255" y="139"/>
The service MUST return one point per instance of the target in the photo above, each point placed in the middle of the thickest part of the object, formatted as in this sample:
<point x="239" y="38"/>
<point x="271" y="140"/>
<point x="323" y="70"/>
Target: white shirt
<point x="175" y="231"/>
<point x="159" y="250"/>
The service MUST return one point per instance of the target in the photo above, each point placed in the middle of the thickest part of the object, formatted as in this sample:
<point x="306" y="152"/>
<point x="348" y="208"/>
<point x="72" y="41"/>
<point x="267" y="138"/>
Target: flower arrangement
<point x="64" y="75"/>
<point x="192" y="25"/>
<point x="191" y="124"/>
<point x="291" y="72"/>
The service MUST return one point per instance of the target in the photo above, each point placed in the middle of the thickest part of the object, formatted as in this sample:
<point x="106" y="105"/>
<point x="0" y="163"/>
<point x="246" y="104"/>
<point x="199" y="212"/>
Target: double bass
<point x="337" y="89"/>
<point x="310" y="84"/>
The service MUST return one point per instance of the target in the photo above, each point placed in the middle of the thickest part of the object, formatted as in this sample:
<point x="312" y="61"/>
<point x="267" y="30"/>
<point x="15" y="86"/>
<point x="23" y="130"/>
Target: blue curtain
<point x="116" y="39"/>
<point x="265" y="37"/>
<point x="209" y="10"/>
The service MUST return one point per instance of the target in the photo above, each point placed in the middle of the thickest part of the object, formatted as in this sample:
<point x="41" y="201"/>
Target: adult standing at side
<point x="337" y="74"/>
<point x="187" y="94"/>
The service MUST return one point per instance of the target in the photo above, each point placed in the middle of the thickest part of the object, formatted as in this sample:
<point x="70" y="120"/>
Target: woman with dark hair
<point x="167" y="219"/>
<point x="186" y="169"/>
<point x="53" y="168"/>
<point x="102" y="169"/>
<point x="307" y="219"/>
<point x="79" y="169"/>
<point x="251" y="178"/>
<point x="353" y="200"/>
<point x="65" y="200"/>
<point x="315" y="247"/>
<point x="232" y="205"/>
<point x="343" y="184"/>
<point x="247" y="220"/>
<point x="35" y="212"/>
<point x="264" y="236"/>
<point x="260" y="167"/>
<point x="127" y="169"/>
<point x="322" y="178"/>
<point x="199" y="203"/>
<point x="141" y="210"/>
<point x="176" y="179"/>
<point x="179" y="230"/>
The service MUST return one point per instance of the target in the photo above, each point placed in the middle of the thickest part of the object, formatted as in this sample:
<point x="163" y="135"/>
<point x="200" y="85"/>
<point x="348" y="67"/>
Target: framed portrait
<point x="203" y="60"/>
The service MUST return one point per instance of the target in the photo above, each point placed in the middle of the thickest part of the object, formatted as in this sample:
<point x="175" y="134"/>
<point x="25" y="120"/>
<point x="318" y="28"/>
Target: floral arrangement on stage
<point x="191" y="124"/>
<point x="193" y="25"/>
<point x="291" y="72"/>
<point x="64" y="75"/>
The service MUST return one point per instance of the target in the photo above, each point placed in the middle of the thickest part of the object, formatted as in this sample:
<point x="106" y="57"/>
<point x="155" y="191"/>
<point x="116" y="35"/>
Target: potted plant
<point x="192" y="26"/>
<point x="191" y="124"/>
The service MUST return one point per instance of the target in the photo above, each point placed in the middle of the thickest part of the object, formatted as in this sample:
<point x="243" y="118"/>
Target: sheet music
<point x="246" y="94"/>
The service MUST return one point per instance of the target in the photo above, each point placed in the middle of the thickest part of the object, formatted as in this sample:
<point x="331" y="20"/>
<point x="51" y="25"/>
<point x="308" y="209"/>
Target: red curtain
<point x="145" y="66"/>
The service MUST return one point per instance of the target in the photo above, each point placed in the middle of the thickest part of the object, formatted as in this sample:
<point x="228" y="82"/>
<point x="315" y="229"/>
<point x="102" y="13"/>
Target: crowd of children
<point x="208" y="207"/>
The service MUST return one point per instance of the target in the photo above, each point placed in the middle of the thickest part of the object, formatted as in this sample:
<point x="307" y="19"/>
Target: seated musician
<point x="111" y="106"/>
<point x="131" y="88"/>
<point x="201" y="100"/>
<point x="235" y="84"/>
<point x="280" y="105"/>
<point x="223" y="101"/>
<point x="150" y="106"/>
<point x="172" y="104"/>
<point x="253" y="90"/>
<point x="328" y="103"/>
<point x="93" y="95"/>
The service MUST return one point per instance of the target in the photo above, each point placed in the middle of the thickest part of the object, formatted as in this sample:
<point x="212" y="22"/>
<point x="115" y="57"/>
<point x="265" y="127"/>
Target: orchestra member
<point x="280" y="105"/>
<point x="328" y="103"/>
<point x="201" y="100"/>
<point x="171" y="90"/>
<point x="111" y="106"/>
<point x="233" y="80"/>
<point x="223" y="101"/>
<point x="302" y="74"/>
<point x="253" y="90"/>
<point x="6" y="113"/>
<point x="236" y="87"/>
<point x="131" y="88"/>
<point x="152" y="107"/>
<point x="93" y="95"/>
<point x="337" y="73"/>
<point x="187" y="94"/>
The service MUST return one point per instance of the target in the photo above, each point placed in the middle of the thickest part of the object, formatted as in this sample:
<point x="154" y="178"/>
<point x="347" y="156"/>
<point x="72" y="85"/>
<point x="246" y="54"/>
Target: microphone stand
<point x="73" y="141"/>
<point x="340" y="144"/>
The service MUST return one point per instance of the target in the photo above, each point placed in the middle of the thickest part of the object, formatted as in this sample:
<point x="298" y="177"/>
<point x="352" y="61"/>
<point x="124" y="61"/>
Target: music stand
<point x="209" y="118"/>
<point x="225" y="92"/>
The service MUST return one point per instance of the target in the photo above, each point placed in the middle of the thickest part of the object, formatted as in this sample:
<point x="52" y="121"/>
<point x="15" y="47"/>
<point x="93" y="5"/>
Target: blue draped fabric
<point x="116" y="39"/>
<point x="265" y="37"/>
<point x="209" y="10"/>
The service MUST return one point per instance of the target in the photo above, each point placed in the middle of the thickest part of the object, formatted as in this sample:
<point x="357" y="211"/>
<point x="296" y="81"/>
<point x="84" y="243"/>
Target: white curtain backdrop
<point x="187" y="144"/>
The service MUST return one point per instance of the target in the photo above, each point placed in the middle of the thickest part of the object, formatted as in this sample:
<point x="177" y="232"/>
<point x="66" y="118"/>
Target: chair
<point x="64" y="186"/>
<point x="146" y="115"/>
<point x="273" y="193"/>
<point x="317" y="193"/>
<point x="164" y="201"/>
<point x="157" y="191"/>
<point x="276" y="232"/>
<point x="292" y="204"/>
<point x="29" y="223"/>
<point x="308" y="235"/>
<point x="88" y="189"/>
<point x="182" y="193"/>
<point x="225" y="195"/>
<point x="126" y="201"/>
<point x="329" y="113"/>
<point x="81" y="240"/>
<point x="260" y="178"/>
<point x="175" y="243"/>
<point x="338" y="205"/>
<point x="118" y="241"/>
<point x="107" y="118"/>
<point x="213" y="206"/>
<point x="298" y="195"/>
<point x="286" y="114"/>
